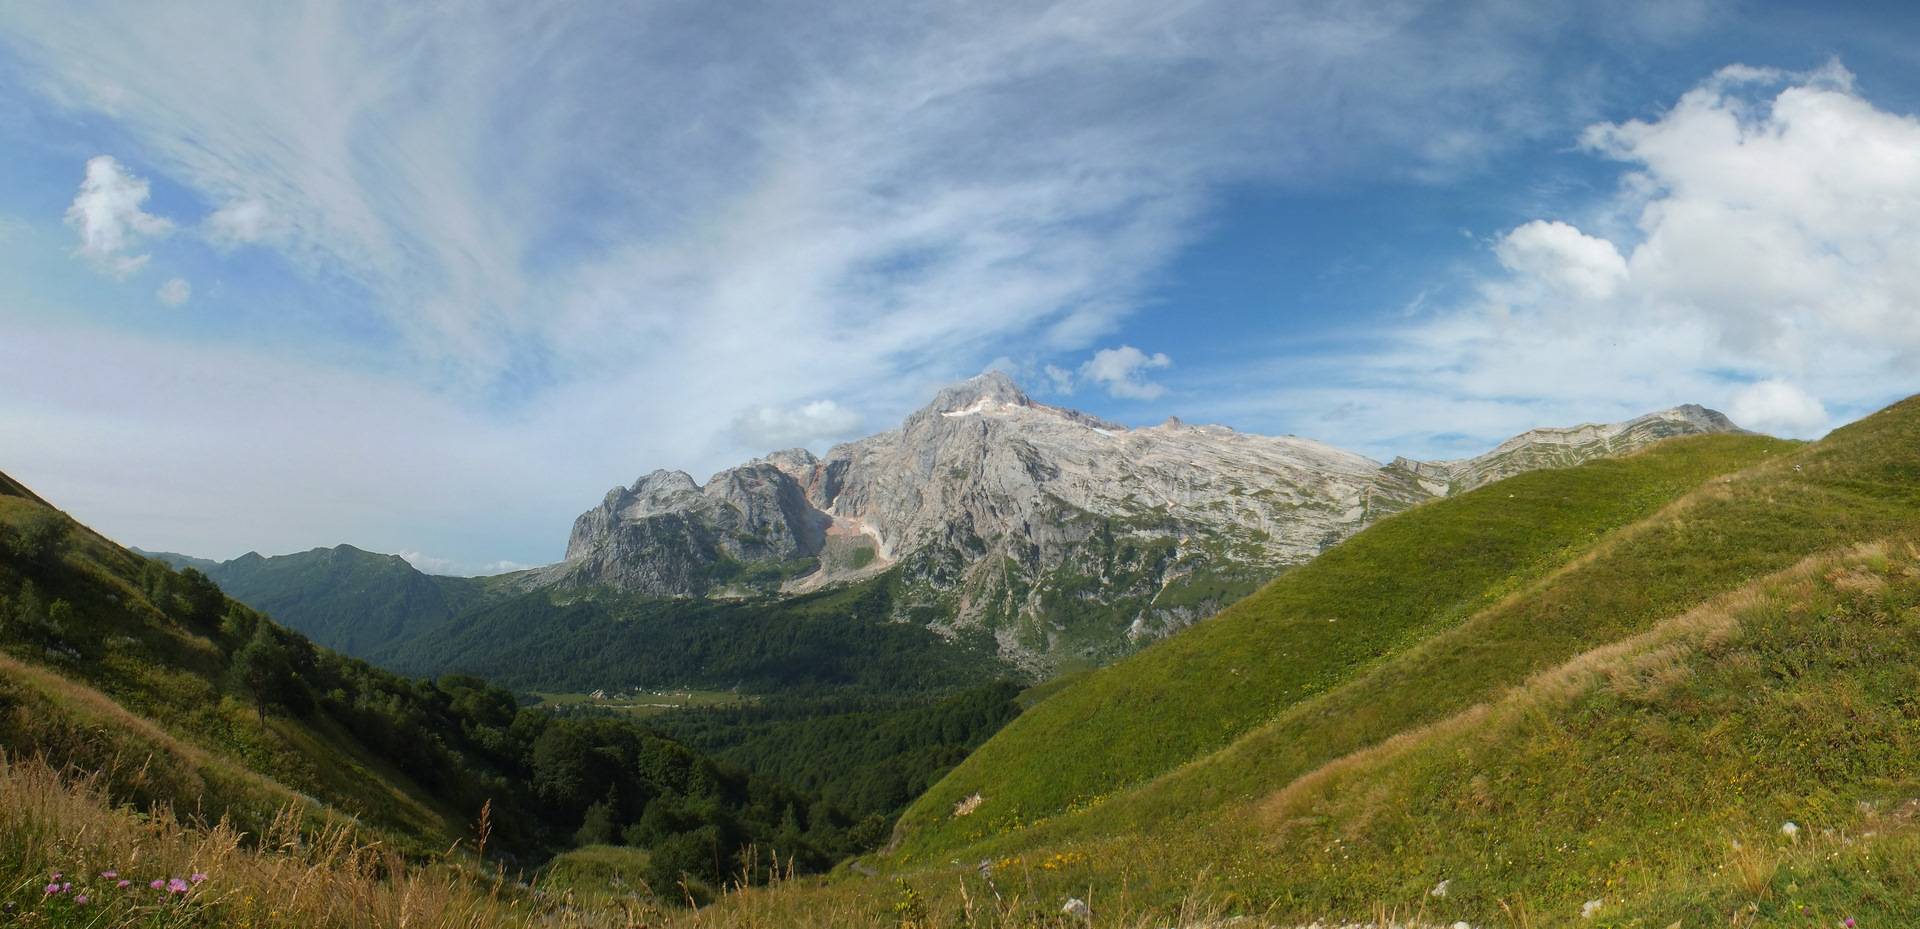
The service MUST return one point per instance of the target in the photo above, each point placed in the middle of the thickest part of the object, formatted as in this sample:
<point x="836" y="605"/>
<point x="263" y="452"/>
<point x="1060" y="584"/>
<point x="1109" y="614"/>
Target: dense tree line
<point x="840" y="641"/>
<point x="868" y="755"/>
<point x="549" y="783"/>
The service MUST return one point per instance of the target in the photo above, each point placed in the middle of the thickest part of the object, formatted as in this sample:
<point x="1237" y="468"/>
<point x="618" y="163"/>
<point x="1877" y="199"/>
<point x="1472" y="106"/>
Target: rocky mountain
<point x="1561" y="448"/>
<point x="1068" y="537"/>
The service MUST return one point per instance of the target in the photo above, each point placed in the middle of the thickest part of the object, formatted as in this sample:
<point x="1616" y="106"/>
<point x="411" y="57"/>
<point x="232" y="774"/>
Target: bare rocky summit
<point x="1061" y="535"/>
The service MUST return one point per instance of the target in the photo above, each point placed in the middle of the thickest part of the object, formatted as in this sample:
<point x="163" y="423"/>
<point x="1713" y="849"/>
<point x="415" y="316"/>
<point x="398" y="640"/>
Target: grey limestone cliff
<point x="1066" y="536"/>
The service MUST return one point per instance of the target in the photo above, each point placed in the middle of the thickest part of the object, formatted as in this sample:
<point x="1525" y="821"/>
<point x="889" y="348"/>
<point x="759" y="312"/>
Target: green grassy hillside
<point x="1350" y="615"/>
<point x="1421" y="705"/>
<point x="1749" y="762"/>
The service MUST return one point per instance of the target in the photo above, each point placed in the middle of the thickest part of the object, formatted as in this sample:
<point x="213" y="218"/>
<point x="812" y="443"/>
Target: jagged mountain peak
<point x="993" y="387"/>
<point x="995" y="395"/>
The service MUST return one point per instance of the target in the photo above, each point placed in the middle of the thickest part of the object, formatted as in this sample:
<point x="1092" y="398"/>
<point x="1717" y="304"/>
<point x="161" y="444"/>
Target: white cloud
<point x="903" y="190"/>
<point x="770" y="428"/>
<point x="1563" y="258"/>
<point x="1758" y="259"/>
<point x="1120" y="369"/>
<point x="1779" y="408"/>
<point x="108" y="216"/>
<point x="242" y="223"/>
<point x="1060" y="379"/>
<point x="174" y="292"/>
<point x="428" y="564"/>
<point x="856" y="200"/>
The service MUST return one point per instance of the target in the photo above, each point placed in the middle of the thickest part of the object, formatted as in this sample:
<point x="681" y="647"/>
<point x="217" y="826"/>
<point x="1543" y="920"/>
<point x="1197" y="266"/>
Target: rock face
<point x="1065" y="536"/>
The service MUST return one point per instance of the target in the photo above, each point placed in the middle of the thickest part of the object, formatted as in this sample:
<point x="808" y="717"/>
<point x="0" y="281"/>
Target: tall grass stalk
<point x="60" y="822"/>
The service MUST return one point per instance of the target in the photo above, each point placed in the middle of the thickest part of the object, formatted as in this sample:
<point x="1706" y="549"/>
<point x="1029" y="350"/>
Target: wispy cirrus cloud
<point x="641" y="220"/>
<point x="882" y="185"/>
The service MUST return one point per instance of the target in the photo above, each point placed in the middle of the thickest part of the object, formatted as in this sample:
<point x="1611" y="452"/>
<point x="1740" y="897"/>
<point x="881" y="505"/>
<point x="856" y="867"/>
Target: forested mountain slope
<point x="342" y="598"/>
<point x="180" y="695"/>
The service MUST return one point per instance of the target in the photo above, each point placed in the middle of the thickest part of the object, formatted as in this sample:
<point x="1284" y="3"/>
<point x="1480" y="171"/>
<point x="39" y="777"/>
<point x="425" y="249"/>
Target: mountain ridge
<point x="997" y="508"/>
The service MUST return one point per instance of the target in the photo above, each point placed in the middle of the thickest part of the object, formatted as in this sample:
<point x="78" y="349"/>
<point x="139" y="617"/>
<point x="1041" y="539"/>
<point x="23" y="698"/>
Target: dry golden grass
<point x="60" y="822"/>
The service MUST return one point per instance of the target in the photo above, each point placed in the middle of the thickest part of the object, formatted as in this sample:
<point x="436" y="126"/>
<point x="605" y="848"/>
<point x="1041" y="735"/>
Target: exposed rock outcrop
<point x="1062" y="534"/>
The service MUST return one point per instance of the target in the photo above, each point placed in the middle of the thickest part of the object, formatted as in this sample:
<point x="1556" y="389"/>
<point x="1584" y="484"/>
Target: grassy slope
<point x="1355" y="610"/>
<point x="1425" y="767"/>
<point x="1644" y="783"/>
<point x="141" y="698"/>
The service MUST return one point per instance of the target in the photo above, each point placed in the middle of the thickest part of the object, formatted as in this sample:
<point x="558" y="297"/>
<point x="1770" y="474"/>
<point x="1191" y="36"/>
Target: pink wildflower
<point x="80" y="899"/>
<point x="53" y="888"/>
<point x="158" y="884"/>
<point x="177" y="886"/>
<point x="109" y="875"/>
<point x="64" y="887"/>
<point x="55" y="878"/>
<point x="123" y="883"/>
<point x="198" y="878"/>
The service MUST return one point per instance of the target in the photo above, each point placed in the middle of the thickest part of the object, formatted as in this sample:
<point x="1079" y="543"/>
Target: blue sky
<point x="430" y="279"/>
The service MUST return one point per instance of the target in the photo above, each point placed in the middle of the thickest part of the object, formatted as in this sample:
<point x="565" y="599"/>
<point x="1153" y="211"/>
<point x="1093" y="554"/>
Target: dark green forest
<point x="126" y="624"/>
<point x="841" y="641"/>
<point x="869" y="756"/>
<point x="343" y="598"/>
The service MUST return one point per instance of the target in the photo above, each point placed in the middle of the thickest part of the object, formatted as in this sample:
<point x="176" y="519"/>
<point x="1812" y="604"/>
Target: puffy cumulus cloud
<point x="1563" y="258"/>
<point x="775" y="428"/>
<point x="243" y="223"/>
<point x="1120" y="370"/>
<point x="1788" y="223"/>
<point x="1777" y="407"/>
<point x="108" y="216"/>
<point x="174" y="292"/>
<point x="1756" y="258"/>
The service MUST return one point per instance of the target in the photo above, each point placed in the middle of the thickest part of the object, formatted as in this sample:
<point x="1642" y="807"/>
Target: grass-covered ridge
<point x="1303" y="637"/>
<point x="1748" y="762"/>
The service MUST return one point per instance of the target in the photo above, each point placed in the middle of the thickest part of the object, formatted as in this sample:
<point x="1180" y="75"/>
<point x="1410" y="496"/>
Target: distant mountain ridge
<point x="1044" y="537"/>
<point x="342" y="597"/>
<point x="1068" y="537"/>
<point x="1560" y="448"/>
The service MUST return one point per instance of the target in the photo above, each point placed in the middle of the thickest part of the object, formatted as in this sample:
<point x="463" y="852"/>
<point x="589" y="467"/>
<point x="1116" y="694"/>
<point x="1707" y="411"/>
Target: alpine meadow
<point x="1366" y="464"/>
